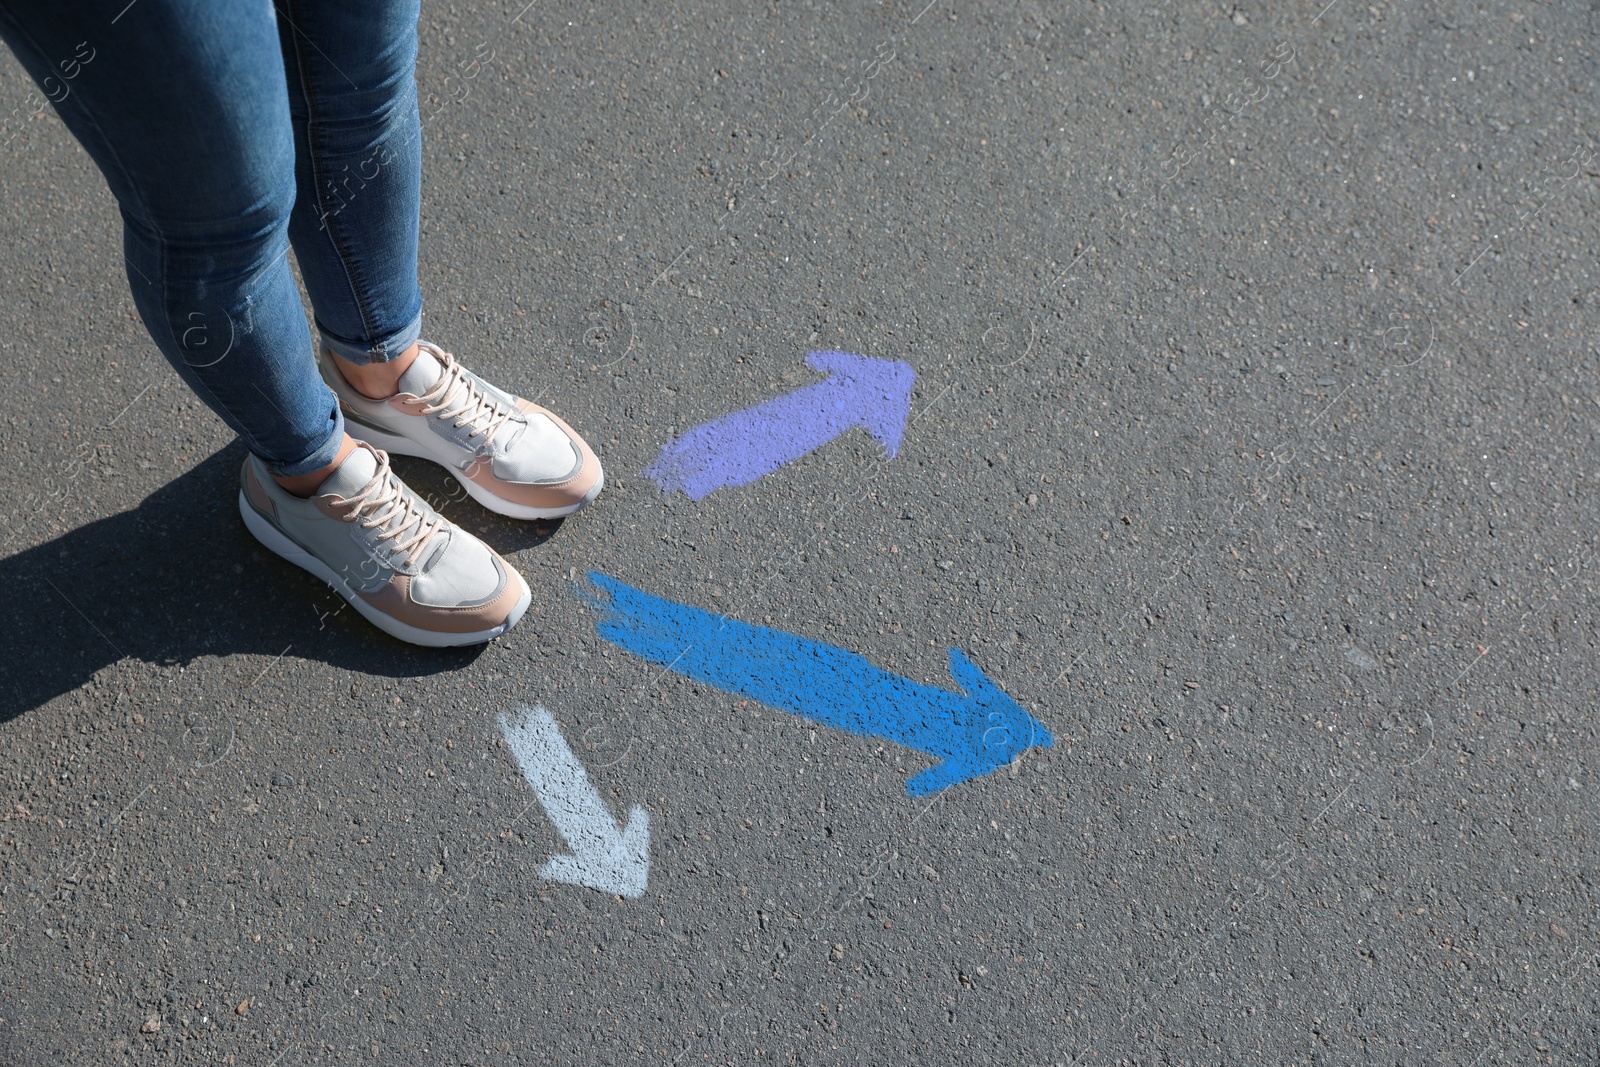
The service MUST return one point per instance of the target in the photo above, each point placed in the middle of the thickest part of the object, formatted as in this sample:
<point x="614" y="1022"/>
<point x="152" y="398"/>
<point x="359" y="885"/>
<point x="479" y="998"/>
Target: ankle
<point x="305" y="485"/>
<point x="377" y="381"/>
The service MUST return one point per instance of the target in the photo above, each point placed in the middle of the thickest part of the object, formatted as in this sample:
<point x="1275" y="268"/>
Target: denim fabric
<point x="228" y="130"/>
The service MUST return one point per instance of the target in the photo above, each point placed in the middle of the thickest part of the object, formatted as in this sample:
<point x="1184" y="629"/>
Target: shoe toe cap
<point x="439" y="603"/>
<point x="464" y="573"/>
<point x="534" y="480"/>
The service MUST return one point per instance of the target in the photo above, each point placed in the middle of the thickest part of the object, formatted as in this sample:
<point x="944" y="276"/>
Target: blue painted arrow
<point x="971" y="733"/>
<point x="736" y="449"/>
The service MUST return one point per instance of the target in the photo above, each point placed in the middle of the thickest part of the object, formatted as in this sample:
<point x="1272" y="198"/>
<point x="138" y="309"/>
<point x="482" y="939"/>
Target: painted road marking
<point x="972" y="733"/>
<point x="737" y="449"/>
<point x="604" y="856"/>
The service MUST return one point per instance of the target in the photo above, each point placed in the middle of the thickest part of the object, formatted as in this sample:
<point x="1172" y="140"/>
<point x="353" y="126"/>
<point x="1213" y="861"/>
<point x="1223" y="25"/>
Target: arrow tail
<point x="559" y="780"/>
<point x="747" y="445"/>
<point x="816" y="681"/>
<point x="741" y="447"/>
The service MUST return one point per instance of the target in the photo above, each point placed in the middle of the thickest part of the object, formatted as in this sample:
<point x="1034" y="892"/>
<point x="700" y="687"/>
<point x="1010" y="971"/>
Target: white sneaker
<point x="413" y="573"/>
<point x="514" y="457"/>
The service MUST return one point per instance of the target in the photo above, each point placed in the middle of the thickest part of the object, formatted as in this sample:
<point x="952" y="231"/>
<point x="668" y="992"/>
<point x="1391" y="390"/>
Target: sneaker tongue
<point x="420" y="376"/>
<point x="352" y="475"/>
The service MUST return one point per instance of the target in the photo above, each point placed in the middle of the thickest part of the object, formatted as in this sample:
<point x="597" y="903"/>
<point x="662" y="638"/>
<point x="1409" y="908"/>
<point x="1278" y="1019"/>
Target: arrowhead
<point x="618" y="865"/>
<point x="879" y="390"/>
<point x="997" y="731"/>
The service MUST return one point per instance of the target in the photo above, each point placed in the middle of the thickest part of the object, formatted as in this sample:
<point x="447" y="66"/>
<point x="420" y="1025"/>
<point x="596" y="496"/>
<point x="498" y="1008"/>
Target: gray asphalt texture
<point x="1251" y="451"/>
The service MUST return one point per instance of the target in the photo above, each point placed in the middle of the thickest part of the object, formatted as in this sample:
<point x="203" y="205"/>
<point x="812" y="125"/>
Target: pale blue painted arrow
<point x="971" y="732"/>
<point x="736" y="449"/>
<point x="605" y="856"/>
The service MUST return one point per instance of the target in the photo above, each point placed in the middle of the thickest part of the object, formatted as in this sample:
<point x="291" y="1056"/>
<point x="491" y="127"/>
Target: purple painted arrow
<point x="874" y="394"/>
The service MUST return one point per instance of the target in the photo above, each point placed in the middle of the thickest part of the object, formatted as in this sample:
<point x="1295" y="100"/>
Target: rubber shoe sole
<point x="269" y="535"/>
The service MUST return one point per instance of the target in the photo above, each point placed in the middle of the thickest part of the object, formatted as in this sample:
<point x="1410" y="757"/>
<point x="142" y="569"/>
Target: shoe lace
<point x="388" y="506"/>
<point x="457" y="396"/>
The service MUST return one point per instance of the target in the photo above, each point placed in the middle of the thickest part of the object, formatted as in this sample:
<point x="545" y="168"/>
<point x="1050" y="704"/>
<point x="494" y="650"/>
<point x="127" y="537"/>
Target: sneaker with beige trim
<point x="514" y="457"/>
<point x="410" y="571"/>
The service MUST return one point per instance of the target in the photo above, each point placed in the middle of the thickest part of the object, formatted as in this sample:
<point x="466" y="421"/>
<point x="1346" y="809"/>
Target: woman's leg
<point x="358" y="157"/>
<point x="184" y="107"/>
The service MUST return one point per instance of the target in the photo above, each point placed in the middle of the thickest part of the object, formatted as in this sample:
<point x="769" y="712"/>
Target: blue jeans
<point x="229" y="131"/>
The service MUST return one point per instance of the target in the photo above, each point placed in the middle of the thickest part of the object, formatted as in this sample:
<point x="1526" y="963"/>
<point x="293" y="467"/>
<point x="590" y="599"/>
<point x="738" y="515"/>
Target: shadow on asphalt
<point x="179" y="577"/>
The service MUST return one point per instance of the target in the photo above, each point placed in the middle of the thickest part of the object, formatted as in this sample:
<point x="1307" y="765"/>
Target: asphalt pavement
<point x="1233" y="420"/>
